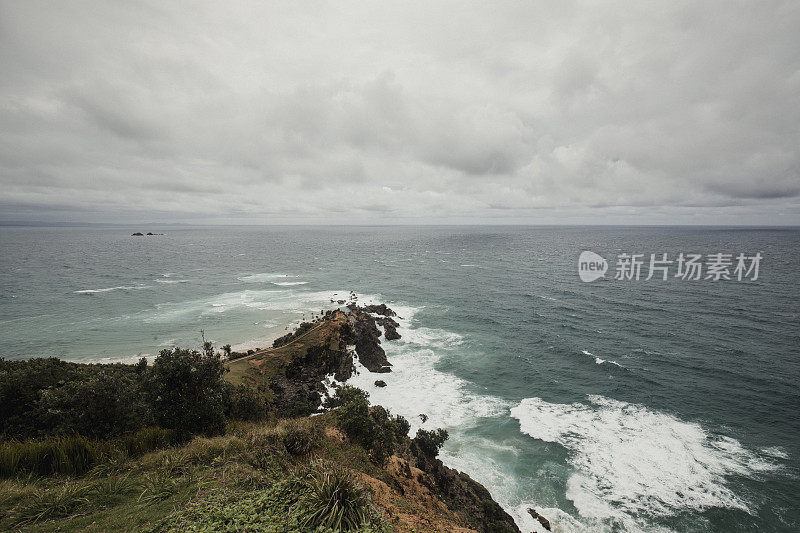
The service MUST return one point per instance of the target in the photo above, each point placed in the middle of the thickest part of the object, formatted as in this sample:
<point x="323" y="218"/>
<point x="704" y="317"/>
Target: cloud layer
<point x="554" y="111"/>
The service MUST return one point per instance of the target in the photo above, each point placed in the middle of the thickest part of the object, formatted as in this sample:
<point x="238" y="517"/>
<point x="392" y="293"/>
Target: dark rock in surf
<point x="380" y="383"/>
<point x="380" y="309"/>
<point x="365" y="335"/>
<point x="542" y="520"/>
<point x="389" y="327"/>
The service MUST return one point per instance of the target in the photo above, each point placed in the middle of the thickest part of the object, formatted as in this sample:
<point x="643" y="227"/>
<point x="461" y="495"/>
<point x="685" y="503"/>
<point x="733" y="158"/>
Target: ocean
<point x="615" y="405"/>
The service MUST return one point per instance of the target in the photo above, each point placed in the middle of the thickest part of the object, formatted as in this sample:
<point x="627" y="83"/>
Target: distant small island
<point x="140" y="234"/>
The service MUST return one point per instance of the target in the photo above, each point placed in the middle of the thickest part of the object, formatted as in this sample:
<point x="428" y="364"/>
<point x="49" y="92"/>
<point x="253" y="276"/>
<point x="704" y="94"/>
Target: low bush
<point x="244" y="403"/>
<point x="152" y="438"/>
<point x="430" y="442"/>
<point x="376" y="429"/>
<point x="182" y="390"/>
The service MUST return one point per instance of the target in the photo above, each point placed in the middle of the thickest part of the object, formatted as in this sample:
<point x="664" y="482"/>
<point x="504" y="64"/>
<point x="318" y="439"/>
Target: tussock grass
<point x="333" y="499"/>
<point x="54" y="455"/>
<point x="300" y="436"/>
<point x="76" y="455"/>
<point x="152" y="438"/>
<point x="59" y="502"/>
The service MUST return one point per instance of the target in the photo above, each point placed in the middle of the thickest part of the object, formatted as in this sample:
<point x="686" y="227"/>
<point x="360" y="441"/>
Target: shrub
<point x="430" y="442"/>
<point x="107" y="403"/>
<point x="244" y="403"/>
<point x="301" y="408"/>
<point x="345" y="394"/>
<point x="187" y="391"/>
<point x="374" y="428"/>
<point x="31" y="404"/>
<point x="400" y="426"/>
<point x="334" y="499"/>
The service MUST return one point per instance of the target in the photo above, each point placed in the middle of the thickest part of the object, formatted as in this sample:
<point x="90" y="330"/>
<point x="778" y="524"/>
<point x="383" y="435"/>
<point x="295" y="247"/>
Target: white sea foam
<point x="632" y="461"/>
<point x="600" y="361"/>
<point x="264" y="277"/>
<point x="128" y="360"/>
<point x="775" y="451"/>
<point x="414" y="377"/>
<point x="289" y="283"/>
<point x="109" y="289"/>
<point x="171" y="281"/>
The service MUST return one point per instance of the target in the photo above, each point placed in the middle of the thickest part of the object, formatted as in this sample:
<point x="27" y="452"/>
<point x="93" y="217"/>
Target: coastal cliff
<point x="292" y="376"/>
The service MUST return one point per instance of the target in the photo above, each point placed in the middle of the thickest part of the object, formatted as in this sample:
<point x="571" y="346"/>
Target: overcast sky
<point x="412" y="112"/>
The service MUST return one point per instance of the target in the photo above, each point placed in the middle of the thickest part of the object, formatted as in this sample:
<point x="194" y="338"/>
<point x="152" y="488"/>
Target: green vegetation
<point x="255" y="477"/>
<point x="62" y="418"/>
<point x="375" y="428"/>
<point x="182" y="390"/>
<point x="75" y="455"/>
<point x="331" y="498"/>
<point x="430" y="442"/>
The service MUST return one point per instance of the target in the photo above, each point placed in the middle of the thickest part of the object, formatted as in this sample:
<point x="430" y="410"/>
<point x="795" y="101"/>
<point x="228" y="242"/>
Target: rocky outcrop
<point x="378" y="309"/>
<point x="542" y="520"/>
<point x="315" y="350"/>
<point x="389" y="327"/>
<point x="462" y="494"/>
<point x="365" y="336"/>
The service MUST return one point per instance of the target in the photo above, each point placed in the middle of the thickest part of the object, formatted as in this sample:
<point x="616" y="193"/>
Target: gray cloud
<point x="548" y="111"/>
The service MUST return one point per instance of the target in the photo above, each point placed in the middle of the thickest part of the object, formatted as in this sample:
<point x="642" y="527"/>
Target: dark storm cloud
<point x="542" y="111"/>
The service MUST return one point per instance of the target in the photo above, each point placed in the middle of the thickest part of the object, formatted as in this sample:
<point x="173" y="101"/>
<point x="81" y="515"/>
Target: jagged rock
<point x="542" y="520"/>
<point x="380" y="383"/>
<point x="137" y="234"/>
<point x="380" y="309"/>
<point x="365" y="338"/>
<point x="389" y="327"/>
<point x="460" y="492"/>
<point x="423" y="417"/>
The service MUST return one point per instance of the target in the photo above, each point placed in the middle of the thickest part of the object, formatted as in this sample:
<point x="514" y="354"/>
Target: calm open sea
<point x="606" y="406"/>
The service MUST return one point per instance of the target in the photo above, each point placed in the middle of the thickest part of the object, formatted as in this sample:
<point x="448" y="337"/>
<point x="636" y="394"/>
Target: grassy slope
<point x="216" y="481"/>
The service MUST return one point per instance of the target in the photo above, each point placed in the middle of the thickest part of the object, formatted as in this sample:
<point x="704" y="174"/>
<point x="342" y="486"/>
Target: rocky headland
<point x="292" y="375"/>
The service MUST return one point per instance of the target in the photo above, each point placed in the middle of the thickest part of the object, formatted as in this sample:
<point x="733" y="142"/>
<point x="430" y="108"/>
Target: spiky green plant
<point x="58" y="502"/>
<point x="333" y="499"/>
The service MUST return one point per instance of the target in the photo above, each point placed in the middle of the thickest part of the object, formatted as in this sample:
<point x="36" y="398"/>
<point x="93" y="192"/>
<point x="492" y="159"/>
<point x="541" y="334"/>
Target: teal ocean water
<point x="615" y="405"/>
